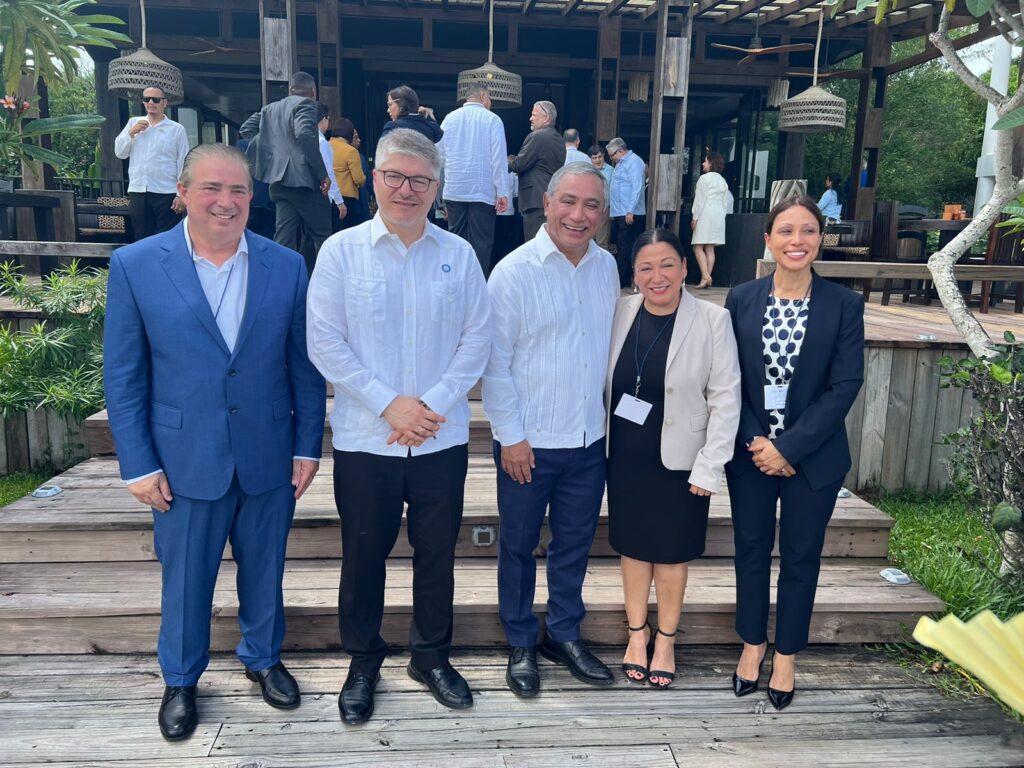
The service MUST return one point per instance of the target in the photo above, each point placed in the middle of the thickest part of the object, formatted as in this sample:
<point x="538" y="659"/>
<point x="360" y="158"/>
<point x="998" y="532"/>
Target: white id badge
<point x="775" y="396"/>
<point x="633" y="409"/>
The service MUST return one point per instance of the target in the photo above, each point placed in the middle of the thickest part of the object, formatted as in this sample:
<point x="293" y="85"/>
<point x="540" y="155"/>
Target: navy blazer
<point x="179" y="400"/>
<point x="824" y="385"/>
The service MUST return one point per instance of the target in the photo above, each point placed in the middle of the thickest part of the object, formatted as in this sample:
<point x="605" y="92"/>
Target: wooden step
<point x="114" y="607"/>
<point x="101" y="441"/>
<point x="96" y="519"/>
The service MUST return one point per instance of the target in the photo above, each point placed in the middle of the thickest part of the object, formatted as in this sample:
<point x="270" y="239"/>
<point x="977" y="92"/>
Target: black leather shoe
<point x="278" y="686"/>
<point x="178" y="714"/>
<point x="780" y="699"/>
<point x="356" y="699"/>
<point x="522" y="676"/>
<point x="447" y="685"/>
<point x="582" y="663"/>
<point x="743" y="687"/>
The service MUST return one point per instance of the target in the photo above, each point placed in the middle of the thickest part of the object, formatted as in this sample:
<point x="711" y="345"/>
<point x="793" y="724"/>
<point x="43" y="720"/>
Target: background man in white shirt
<point x="399" y="322"/>
<point x="552" y="302"/>
<point x="155" y="147"/>
<point x="571" y="137"/>
<point x="475" y="165"/>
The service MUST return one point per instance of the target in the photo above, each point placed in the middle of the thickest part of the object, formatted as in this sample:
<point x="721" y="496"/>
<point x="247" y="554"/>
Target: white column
<point x="1002" y="55"/>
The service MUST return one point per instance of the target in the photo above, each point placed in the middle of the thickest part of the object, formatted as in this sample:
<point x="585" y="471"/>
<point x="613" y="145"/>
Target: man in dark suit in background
<point x="284" y="152"/>
<point x="542" y="154"/>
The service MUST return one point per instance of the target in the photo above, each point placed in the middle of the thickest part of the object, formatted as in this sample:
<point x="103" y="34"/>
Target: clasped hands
<point x="411" y="421"/>
<point x="768" y="459"/>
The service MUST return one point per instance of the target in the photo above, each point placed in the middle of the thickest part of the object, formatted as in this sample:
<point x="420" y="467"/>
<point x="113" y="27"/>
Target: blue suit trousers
<point x="189" y="541"/>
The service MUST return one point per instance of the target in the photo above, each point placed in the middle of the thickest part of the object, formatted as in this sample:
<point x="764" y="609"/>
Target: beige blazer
<point x="702" y="387"/>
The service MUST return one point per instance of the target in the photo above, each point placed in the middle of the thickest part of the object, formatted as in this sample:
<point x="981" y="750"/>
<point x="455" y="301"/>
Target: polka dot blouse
<point x="782" y="334"/>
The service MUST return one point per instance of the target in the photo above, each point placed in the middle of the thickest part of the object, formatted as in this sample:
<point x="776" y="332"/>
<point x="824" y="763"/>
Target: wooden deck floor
<point x="854" y="707"/>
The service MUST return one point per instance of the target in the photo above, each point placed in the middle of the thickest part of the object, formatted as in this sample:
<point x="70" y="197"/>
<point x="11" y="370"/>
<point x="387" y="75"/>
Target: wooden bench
<point x="29" y="252"/>
<point x="890" y="270"/>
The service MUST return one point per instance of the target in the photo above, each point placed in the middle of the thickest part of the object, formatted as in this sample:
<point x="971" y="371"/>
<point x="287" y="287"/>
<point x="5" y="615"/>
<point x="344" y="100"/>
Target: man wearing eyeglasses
<point x="155" y="147"/>
<point x="399" y="321"/>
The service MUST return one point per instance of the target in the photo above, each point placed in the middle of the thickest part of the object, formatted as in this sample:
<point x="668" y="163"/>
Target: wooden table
<point x="947" y="228"/>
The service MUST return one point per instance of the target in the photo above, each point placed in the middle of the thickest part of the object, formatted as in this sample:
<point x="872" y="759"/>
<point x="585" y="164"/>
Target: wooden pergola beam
<point x="652" y="9"/>
<point x="570" y="6"/>
<point x="527" y="5"/>
<point x="707" y="5"/>
<point x="812" y="18"/>
<point x="741" y="10"/>
<point x="614" y="7"/>
<point x="775" y="14"/>
<point x="932" y="53"/>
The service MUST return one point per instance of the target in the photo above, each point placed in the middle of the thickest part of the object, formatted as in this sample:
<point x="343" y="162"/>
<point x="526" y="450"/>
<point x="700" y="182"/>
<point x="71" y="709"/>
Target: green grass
<point x="13" y="487"/>
<point x="941" y="544"/>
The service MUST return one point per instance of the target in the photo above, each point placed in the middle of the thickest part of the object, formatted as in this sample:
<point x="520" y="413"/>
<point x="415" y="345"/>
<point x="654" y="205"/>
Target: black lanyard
<point x="636" y="347"/>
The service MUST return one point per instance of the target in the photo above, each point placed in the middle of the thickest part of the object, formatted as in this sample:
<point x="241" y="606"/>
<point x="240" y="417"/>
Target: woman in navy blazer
<point x="801" y="349"/>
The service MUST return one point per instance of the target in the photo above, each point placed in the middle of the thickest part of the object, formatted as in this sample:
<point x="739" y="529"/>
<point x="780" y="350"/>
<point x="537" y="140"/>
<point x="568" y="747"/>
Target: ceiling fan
<point x="215" y="48"/>
<point x="756" y="46"/>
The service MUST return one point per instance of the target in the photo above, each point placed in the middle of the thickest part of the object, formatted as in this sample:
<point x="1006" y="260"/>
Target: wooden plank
<point x="904" y="271"/>
<point x="922" y="420"/>
<point x="16" y="433"/>
<point x="947" y="419"/>
<point x="3" y="445"/>
<point x="62" y="249"/>
<point x="37" y="433"/>
<point x="854" y="422"/>
<point x="877" y="374"/>
<point x="897" y="423"/>
<point x="937" y="751"/>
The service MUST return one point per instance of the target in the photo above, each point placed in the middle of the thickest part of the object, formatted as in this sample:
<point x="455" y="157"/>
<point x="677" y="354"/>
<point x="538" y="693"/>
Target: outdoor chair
<point x="100" y="227"/>
<point x="1003" y="248"/>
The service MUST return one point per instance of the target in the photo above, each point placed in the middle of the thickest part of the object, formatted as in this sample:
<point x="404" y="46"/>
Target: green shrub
<point x="58" y="363"/>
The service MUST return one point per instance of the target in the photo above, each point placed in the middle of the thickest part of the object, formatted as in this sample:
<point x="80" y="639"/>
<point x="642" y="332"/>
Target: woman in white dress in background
<point x="710" y="205"/>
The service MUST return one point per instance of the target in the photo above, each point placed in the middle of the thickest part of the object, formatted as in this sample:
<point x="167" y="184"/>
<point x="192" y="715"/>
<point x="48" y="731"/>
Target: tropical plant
<point x="14" y="131"/>
<point x="988" y="457"/>
<point x="46" y="36"/>
<point x="59" y="361"/>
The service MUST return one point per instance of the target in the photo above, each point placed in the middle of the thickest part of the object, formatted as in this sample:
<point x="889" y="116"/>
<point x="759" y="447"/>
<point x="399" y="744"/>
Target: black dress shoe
<point x="743" y="687"/>
<point x="582" y="663"/>
<point x="522" y="676"/>
<point x="779" y="699"/>
<point x="447" y="685"/>
<point x="356" y="699"/>
<point x="278" y="686"/>
<point x="178" y="715"/>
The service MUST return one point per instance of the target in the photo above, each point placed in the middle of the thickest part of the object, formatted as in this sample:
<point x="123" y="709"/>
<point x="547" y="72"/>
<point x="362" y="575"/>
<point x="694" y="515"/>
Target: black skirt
<point x="652" y="516"/>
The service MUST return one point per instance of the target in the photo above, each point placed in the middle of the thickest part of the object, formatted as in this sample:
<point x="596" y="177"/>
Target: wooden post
<point x="109" y="107"/>
<point x="328" y="42"/>
<point x="657" y="109"/>
<point x="607" y="96"/>
<point x="870" y="121"/>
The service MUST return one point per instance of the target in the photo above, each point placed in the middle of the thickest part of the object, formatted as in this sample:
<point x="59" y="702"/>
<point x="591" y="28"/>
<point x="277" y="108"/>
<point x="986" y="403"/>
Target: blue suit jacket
<point x="178" y="400"/>
<point x="824" y="385"/>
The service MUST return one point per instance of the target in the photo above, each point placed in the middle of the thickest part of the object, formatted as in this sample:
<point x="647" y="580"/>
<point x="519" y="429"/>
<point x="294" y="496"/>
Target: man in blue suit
<point x="218" y="418"/>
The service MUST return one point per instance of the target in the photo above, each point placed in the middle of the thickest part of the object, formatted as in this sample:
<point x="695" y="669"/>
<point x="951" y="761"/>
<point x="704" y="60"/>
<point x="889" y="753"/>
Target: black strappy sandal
<point x="641" y="671"/>
<point x="670" y="676"/>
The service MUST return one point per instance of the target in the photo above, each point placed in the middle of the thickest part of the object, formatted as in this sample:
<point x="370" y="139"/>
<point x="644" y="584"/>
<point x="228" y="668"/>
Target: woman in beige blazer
<point x="673" y="403"/>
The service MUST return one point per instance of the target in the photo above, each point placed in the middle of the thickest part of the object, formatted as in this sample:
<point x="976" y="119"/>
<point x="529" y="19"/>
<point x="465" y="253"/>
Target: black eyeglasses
<point x="395" y="180"/>
<point x="152" y="99"/>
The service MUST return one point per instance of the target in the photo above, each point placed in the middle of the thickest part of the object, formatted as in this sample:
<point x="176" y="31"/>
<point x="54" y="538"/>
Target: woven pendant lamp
<point x="130" y="74"/>
<point x="505" y="88"/>
<point x="815" y="110"/>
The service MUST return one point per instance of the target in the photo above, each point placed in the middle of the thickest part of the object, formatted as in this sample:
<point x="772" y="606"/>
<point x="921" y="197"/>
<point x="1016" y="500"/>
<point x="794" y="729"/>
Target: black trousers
<point x="508" y="235"/>
<point x="306" y="207"/>
<point x="151" y="213"/>
<point x="624" y="236"/>
<point x="474" y="223"/>
<point x="803" y="517"/>
<point x="532" y="221"/>
<point x="370" y="492"/>
<point x="353" y="215"/>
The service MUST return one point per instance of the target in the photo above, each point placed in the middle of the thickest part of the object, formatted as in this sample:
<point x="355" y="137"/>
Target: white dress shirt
<point x="384" y="320"/>
<point x="476" y="156"/>
<point x="155" y="156"/>
<point x="573" y="155"/>
<point x="549" y="357"/>
<point x="333" y="193"/>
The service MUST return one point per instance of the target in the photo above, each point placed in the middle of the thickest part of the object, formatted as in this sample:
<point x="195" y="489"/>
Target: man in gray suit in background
<point x="542" y="154"/>
<point x="284" y="152"/>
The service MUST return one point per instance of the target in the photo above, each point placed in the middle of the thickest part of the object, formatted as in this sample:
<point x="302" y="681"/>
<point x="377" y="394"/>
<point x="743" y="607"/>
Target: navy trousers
<point x="371" y="492"/>
<point x="189" y="540"/>
<point x="803" y="517"/>
<point x="569" y="481"/>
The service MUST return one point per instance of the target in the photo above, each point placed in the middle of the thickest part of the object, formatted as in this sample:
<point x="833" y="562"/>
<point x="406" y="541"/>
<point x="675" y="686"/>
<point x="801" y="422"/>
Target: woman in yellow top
<point x="348" y="169"/>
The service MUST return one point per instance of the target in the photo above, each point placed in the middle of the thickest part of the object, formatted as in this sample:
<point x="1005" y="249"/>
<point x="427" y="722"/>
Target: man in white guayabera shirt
<point x="155" y="147"/>
<point x="399" y="322"/>
<point x="475" y="171"/>
<point x="552" y="302"/>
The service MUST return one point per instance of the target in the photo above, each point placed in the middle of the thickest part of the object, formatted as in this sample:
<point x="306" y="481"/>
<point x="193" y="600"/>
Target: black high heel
<point x="742" y="687"/>
<point x="670" y="676"/>
<point x="641" y="671"/>
<point x="779" y="699"/>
